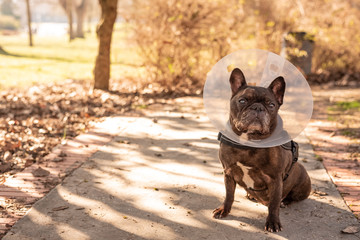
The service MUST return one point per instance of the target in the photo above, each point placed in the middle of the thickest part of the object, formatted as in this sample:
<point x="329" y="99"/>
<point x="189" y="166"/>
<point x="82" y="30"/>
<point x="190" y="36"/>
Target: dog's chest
<point x="246" y="178"/>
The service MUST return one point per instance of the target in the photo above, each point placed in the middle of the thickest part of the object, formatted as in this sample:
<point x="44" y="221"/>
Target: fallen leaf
<point x="12" y="146"/>
<point x="29" y="162"/>
<point x="62" y="154"/>
<point x="40" y="172"/>
<point x="350" y="230"/>
<point x="319" y="193"/>
<point x="60" y="208"/>
<point x="58" y="159"/>
<point x="7" y="156"/>
<point x="2" y="180"/>
<point x="5" y="167"/>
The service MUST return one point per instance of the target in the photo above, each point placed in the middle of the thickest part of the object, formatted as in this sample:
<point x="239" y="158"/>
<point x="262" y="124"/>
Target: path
<point x="335" y="136"/>
<point x="160" y="178"/>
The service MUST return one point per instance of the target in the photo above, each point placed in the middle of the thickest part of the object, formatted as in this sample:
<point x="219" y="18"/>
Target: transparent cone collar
<point x="260" y="69"/>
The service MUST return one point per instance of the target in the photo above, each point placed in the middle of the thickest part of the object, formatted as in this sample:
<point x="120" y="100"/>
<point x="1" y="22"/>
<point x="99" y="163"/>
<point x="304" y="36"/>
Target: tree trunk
<point x="104" y="34"/>
<point x="68" y="8"/>
<point x="80" y="16"/>
<point x="28" y="12"/>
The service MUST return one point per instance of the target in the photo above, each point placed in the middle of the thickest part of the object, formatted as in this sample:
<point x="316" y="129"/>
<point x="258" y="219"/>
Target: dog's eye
<point x="242" y="101"/>
<point x="271" y="105"/>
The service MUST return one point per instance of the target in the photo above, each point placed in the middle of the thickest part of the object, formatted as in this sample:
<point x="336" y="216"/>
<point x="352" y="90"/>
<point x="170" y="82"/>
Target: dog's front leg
<point x="275" y="193"/>
<point x="225" y="208"/>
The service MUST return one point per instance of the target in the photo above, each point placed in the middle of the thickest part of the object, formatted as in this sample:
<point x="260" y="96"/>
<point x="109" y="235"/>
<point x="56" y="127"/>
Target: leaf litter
<point x="33" y="121"/>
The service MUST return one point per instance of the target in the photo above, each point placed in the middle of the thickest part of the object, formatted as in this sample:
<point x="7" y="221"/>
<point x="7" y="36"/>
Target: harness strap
<point x="295" y="155"/>
<point x="290" y="146"/>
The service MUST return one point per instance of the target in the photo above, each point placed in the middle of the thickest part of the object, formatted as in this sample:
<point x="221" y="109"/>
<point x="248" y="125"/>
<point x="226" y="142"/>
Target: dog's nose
<point x="257" y="107"/>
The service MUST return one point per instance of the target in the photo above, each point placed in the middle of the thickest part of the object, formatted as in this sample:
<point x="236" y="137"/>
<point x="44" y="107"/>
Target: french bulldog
<point x="269" y="175"/>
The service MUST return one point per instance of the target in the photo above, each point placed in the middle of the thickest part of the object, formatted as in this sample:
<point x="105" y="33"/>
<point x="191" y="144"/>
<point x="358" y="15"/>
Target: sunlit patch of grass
<point x="348" y="105"/>
<point x="348" y="133"/>
<point x="351" y="132"/>
<point x="343" y="111"/>
<point x="54" y="59"/>
<point x="331" y="118"/>
<point x="344" y="106"/>
<point x="346" y="114"/>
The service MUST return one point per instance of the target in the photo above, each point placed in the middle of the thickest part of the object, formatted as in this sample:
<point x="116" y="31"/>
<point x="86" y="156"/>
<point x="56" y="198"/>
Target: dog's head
<point x="253" y="110"/>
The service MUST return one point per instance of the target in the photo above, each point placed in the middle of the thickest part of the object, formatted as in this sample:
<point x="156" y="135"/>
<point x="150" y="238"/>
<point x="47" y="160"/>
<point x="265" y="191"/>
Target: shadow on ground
<point x="161" y="179"/>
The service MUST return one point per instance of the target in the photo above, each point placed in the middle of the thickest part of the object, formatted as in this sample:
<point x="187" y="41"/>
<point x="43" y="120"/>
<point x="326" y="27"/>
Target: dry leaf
<point x="319" y="193"/>
<point x="350" y="230"/>
<point x="29" y="162"/>
<point x="2" y="180"/>
<point x="40" y="172"/>
<point x="7" y="156"/>
<point x="60" y="208"/>
<point x="58" y="159"/>
<point x="5" y="167"/>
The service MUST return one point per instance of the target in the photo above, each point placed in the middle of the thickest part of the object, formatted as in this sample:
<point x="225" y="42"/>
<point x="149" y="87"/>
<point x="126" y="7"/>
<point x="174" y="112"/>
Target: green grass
<point x="348" y="105"/>
<point x="54" y="59"/>
<point x="344" y="106"/>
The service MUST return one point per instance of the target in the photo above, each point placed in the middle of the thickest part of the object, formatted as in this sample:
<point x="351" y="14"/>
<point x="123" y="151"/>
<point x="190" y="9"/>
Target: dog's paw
<point x="220" y="212"/>
<point x="251" y="198"/>
<point x="273" y="225"/>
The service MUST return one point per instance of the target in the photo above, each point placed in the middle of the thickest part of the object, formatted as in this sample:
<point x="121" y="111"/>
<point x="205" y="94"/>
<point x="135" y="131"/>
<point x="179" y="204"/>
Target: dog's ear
<point x="278" y="88"/>
<point x="237" y="80"/>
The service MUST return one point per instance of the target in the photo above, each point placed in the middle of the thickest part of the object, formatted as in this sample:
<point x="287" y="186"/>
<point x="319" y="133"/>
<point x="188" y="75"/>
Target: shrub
<point x="179" y="41"/>
<point x="8" y="23"/>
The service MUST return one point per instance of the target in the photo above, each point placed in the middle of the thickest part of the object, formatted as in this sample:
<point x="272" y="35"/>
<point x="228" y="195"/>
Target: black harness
<point x="290" y="146"/>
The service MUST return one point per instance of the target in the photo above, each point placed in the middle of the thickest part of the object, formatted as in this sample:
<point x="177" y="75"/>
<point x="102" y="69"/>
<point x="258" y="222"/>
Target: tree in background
<point x="67" y="6"/>
<point x="28" y="13"/>
<point x="80" y="10"/>
<point x="7" y="8"/>
<point x="104" y="34"/>
<point x="9" y="20"/>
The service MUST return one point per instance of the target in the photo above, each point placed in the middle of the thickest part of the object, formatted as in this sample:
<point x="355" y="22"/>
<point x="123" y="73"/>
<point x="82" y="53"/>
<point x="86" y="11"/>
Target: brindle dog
<point x="268" y="174"/>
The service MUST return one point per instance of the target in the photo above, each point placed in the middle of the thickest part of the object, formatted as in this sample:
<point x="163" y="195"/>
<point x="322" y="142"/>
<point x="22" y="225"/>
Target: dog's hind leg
<point x="301" y="190"/>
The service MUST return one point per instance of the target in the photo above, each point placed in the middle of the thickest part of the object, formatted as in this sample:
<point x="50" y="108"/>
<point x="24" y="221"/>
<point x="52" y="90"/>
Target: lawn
<point x="54" y="58"/>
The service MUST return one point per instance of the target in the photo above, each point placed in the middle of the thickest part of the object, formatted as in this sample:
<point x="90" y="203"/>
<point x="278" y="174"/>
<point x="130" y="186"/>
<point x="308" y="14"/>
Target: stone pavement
<point x="342" y="166"/>
<point x="160" y="178"/>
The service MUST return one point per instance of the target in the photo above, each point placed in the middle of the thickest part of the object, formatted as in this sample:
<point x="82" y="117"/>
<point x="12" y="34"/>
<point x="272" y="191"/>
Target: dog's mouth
<point x="255" y="127"/>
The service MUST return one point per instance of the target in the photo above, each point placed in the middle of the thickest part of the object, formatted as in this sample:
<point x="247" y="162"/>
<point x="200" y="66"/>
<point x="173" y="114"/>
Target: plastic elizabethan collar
<point x="260" y="69"/>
